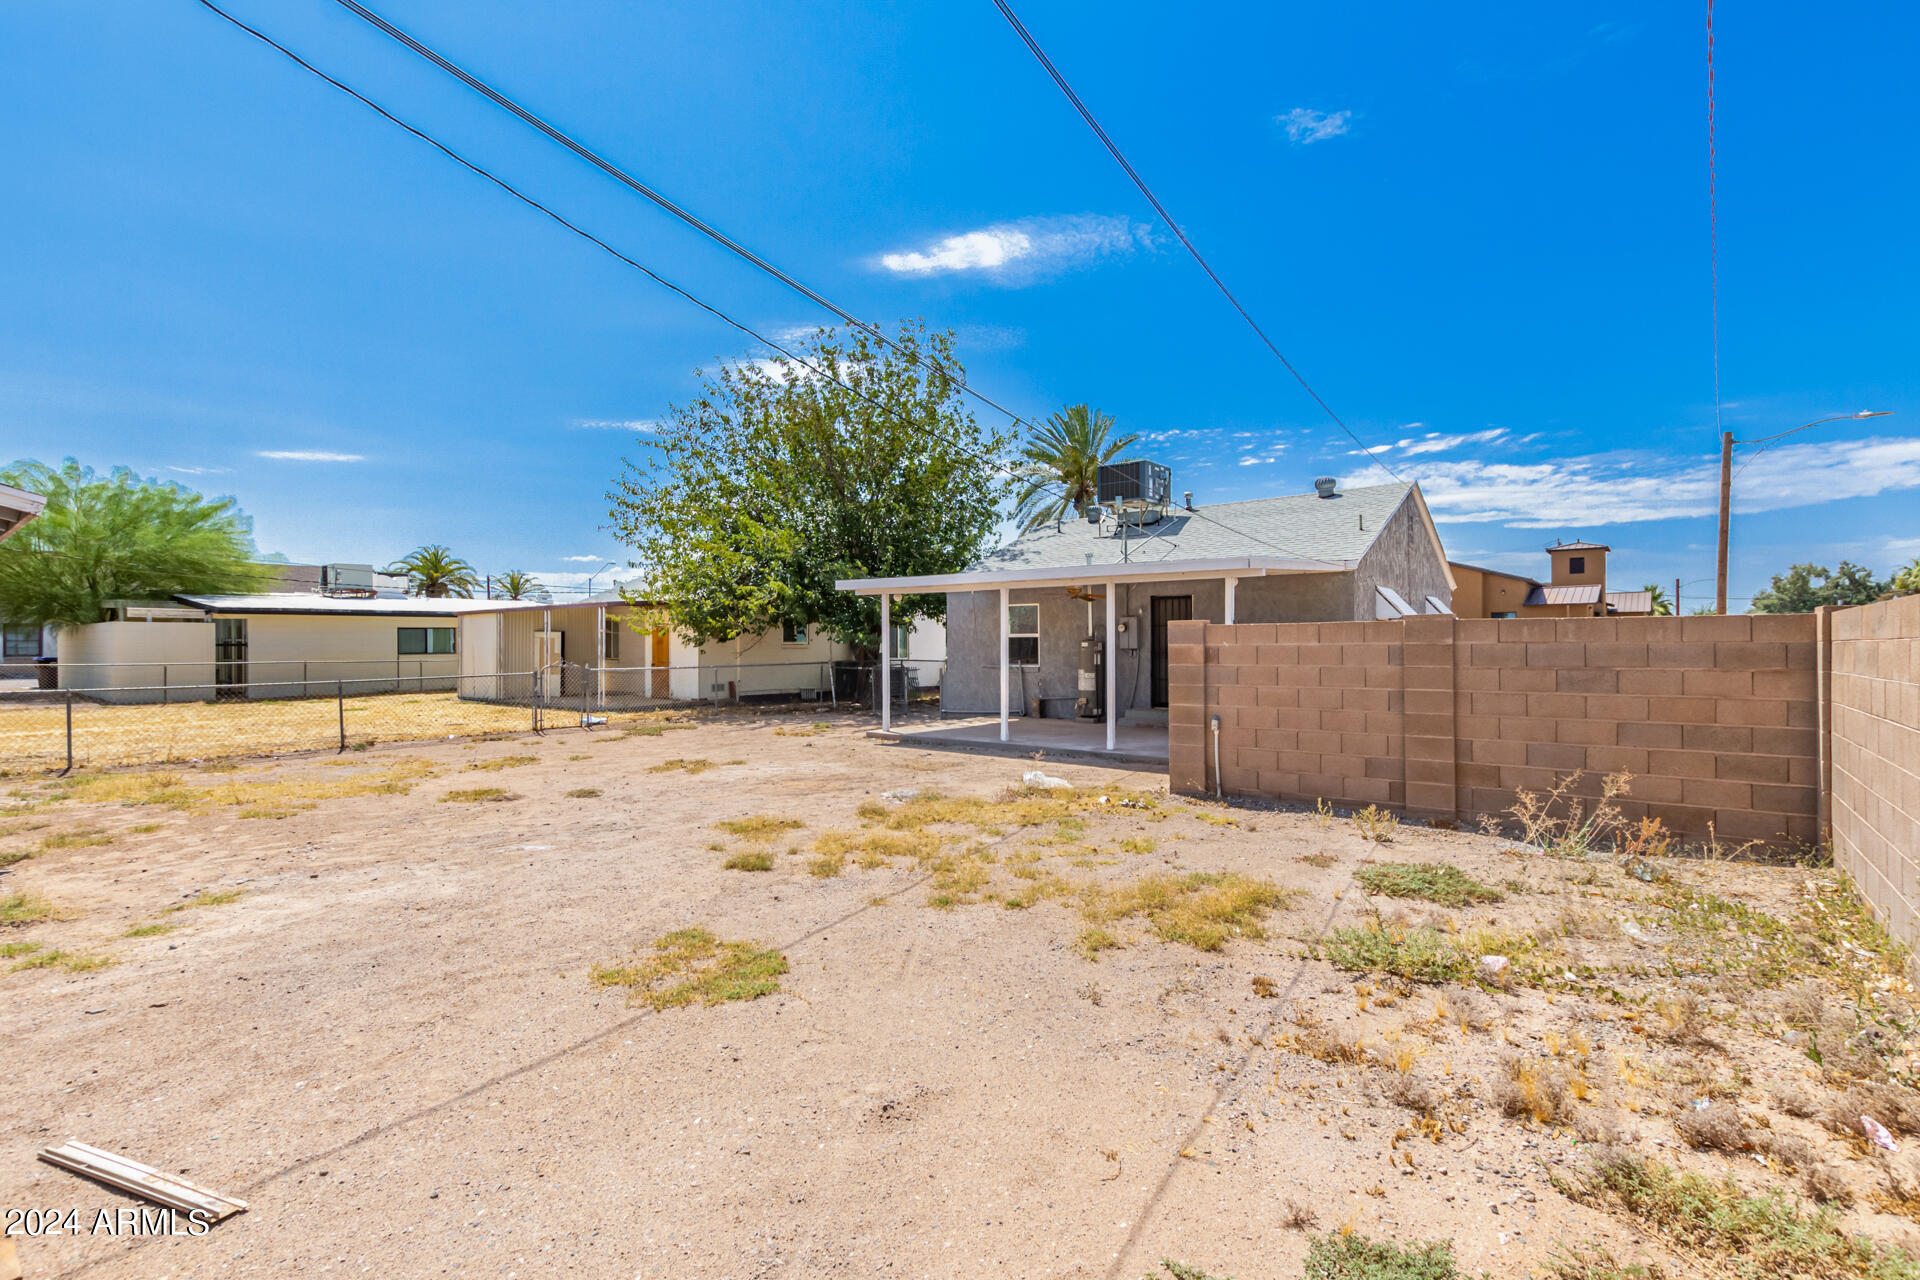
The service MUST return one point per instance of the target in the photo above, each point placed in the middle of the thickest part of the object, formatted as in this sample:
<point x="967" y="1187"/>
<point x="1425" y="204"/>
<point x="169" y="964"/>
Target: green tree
<point x="1060" y="465"/>
<point x="778" y="480"/>
<point x="1662" y="607"/>
<point x="1805" y="587"/>
<point x="1906" y="582"/>
<point x="516" y="584"/>
<point x="437" y="572"/>
<point x="118" y="537"/>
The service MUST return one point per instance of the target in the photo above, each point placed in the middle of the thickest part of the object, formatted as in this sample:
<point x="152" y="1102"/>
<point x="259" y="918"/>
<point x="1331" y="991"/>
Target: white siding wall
<point x="103" y="655"/>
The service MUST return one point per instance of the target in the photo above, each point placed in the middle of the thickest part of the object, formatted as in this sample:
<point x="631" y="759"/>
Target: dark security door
<point x="1165" y="609"/>
<point x="230" y="657"/>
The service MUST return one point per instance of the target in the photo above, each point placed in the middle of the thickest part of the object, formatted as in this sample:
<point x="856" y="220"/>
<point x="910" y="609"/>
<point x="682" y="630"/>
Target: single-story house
<point x="602" y="649"/>
<point x="270" y="645"/>
<point x="20" y="642"/>
<point x="1045" y="625"/>
<point x="1577" y="588"/>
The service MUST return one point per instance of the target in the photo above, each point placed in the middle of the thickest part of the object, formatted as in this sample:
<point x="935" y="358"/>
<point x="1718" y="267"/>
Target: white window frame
<point x="1014" y="633"/>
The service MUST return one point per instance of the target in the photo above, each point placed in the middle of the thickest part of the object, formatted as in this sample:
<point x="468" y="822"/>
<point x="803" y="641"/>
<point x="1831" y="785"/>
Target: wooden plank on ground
<point x="142" y="1180"/>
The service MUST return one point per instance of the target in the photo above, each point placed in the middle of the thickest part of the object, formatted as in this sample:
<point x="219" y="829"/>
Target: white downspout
<point x="1113" y="667"/>
<point x="1006" y="651"/>
<point x="886" y="660"/>
<point x="600" y="655"/>
<point x="1232" y="583"/>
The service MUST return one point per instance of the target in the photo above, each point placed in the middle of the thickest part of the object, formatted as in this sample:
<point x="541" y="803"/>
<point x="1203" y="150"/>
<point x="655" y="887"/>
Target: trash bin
<point x="48" y="672"/>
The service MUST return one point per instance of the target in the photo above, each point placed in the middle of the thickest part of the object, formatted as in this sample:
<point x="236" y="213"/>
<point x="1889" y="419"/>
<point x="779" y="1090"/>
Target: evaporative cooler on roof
<point x="1135" y="483"/>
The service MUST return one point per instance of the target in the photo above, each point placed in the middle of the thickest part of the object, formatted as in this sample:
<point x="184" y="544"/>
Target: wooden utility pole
<point x="1726" y="508"/>
<point x="1676" y="597"/>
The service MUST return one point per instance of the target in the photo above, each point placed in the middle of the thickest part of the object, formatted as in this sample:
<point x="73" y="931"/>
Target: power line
<point x="1166" y="217"/>
<point x="659" y="199"/>
<point x="712" y="310"/>
<point x="1713" y="223"/>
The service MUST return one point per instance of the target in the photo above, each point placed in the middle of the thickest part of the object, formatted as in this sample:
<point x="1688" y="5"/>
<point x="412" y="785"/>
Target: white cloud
<point x="1023" y="250"/>
<point x="1435" y="442"/>
<point x="1305" y="125"/>
<point x="1621" y="488"/>
<point x="645" y="426"/>
<point x="583" y="559"/>
<point x="202" y="471"/>
<point x="309" y="455"/>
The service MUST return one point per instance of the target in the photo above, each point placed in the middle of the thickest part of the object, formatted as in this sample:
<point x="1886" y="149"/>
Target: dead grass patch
<point x="1532" y="1088"/>
<point x="478" y="795"/>
<point x="759" y="826"/>
<point x="71" y="961"/>
<point x="149" y="930"/>
<point x="24" y="908"/>
<point x="584" y="793"/>
<point x="501" y="762"/>
<point x="750" y="860"/>
<point x="210" y="898"/>
<point x="692" y="965"/>
<point x="700" y="765"/>
<point x="1201" y="909"/>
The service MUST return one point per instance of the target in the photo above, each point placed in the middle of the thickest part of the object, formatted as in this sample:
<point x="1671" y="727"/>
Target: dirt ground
<point x="374" y="1017"/>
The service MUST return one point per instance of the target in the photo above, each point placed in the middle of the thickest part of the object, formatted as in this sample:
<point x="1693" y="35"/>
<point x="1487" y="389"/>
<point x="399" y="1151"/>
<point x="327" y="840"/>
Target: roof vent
<point x="1186" y="499"/>
<point x="1326" y="487"/>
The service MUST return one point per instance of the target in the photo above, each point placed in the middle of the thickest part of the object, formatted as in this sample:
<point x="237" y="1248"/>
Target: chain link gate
<point x="565" y="695"/>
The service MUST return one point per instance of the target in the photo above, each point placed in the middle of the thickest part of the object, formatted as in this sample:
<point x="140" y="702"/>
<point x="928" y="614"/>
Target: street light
<point x="1726" y="484"/>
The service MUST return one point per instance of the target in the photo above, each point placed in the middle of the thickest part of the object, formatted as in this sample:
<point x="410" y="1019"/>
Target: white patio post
<point x="886" y="660"/>
<point x="1231" y="584"/>
<point x="1113" y="668"/>
<point x="600" y="655"/>
<point x="1006" y="650"/>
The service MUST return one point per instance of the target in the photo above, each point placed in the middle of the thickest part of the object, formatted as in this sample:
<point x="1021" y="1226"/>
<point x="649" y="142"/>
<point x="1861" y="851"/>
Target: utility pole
<point x="1726" y="508"/>
<point x="1726" y="485"/>
<point x="1676" y="597"/>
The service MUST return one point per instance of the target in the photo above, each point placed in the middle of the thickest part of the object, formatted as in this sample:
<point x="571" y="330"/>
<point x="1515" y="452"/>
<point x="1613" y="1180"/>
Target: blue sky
<point x="1479" y="231"/>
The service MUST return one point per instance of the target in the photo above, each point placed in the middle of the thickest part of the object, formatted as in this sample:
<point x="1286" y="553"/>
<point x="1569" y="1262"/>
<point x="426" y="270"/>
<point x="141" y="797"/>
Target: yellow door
<point x="658" y="661"/>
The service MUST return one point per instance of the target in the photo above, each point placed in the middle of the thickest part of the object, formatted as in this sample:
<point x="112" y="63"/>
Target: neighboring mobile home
<point x="608" y="650"/>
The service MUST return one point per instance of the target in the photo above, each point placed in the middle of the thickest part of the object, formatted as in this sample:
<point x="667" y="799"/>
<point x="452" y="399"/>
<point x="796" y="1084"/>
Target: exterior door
<point x="549" y="651"/>
<point x="1165" y="609"/>
<point x="230" y="658"/>
<point x="660" y="678"/>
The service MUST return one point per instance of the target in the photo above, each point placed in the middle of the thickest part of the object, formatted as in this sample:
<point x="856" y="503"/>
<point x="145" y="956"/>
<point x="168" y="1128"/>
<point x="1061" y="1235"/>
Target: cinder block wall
<point x="1715" y="718"/>
<point x="1875" y="753"/>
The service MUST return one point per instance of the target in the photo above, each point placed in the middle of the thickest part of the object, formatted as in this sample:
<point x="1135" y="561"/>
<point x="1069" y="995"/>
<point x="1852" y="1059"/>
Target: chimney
<point x="1326" y="487"/>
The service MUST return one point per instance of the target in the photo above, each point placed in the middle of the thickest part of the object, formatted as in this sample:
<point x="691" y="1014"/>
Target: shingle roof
<point x="1302" y="525"/>
<point x="1565" y="595"/>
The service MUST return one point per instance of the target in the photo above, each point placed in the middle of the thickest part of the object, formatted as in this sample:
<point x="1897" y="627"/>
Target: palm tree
<point x="516" y="584"/>
<point x="437" y="572"/>
<point x="1065" y="454"/>
<point x="1662" y="607"/>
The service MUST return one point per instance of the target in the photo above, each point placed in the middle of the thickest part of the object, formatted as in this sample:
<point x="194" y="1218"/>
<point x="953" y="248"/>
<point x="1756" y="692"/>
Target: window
<point x="414" y="640"/>
<point x="1576" y="564"/>
<point x="1508" y="614"/>
<point x="613" y="639"/>
<point x="22" y="640"/>
<point x="793" y="633"/>
<point x="1023" y="632"/>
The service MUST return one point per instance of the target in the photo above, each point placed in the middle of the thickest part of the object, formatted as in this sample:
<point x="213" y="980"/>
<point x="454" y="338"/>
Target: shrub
<point x="1343" y="1255"/>
<point x="1440" y="882"/>
<point x="1419" y="954"/>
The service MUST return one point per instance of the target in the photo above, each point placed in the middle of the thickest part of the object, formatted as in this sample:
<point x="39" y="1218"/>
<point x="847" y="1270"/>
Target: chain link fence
<point x="128" y="723"/>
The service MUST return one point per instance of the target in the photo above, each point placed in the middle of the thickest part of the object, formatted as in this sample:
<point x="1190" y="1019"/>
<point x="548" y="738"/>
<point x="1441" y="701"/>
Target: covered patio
<point x="1144" y="739"/>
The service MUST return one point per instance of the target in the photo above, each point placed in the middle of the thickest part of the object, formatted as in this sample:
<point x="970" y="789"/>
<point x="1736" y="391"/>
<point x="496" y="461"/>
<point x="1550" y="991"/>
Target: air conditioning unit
<point x="1135" y="483"/>
<point x="346" y="579"/>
